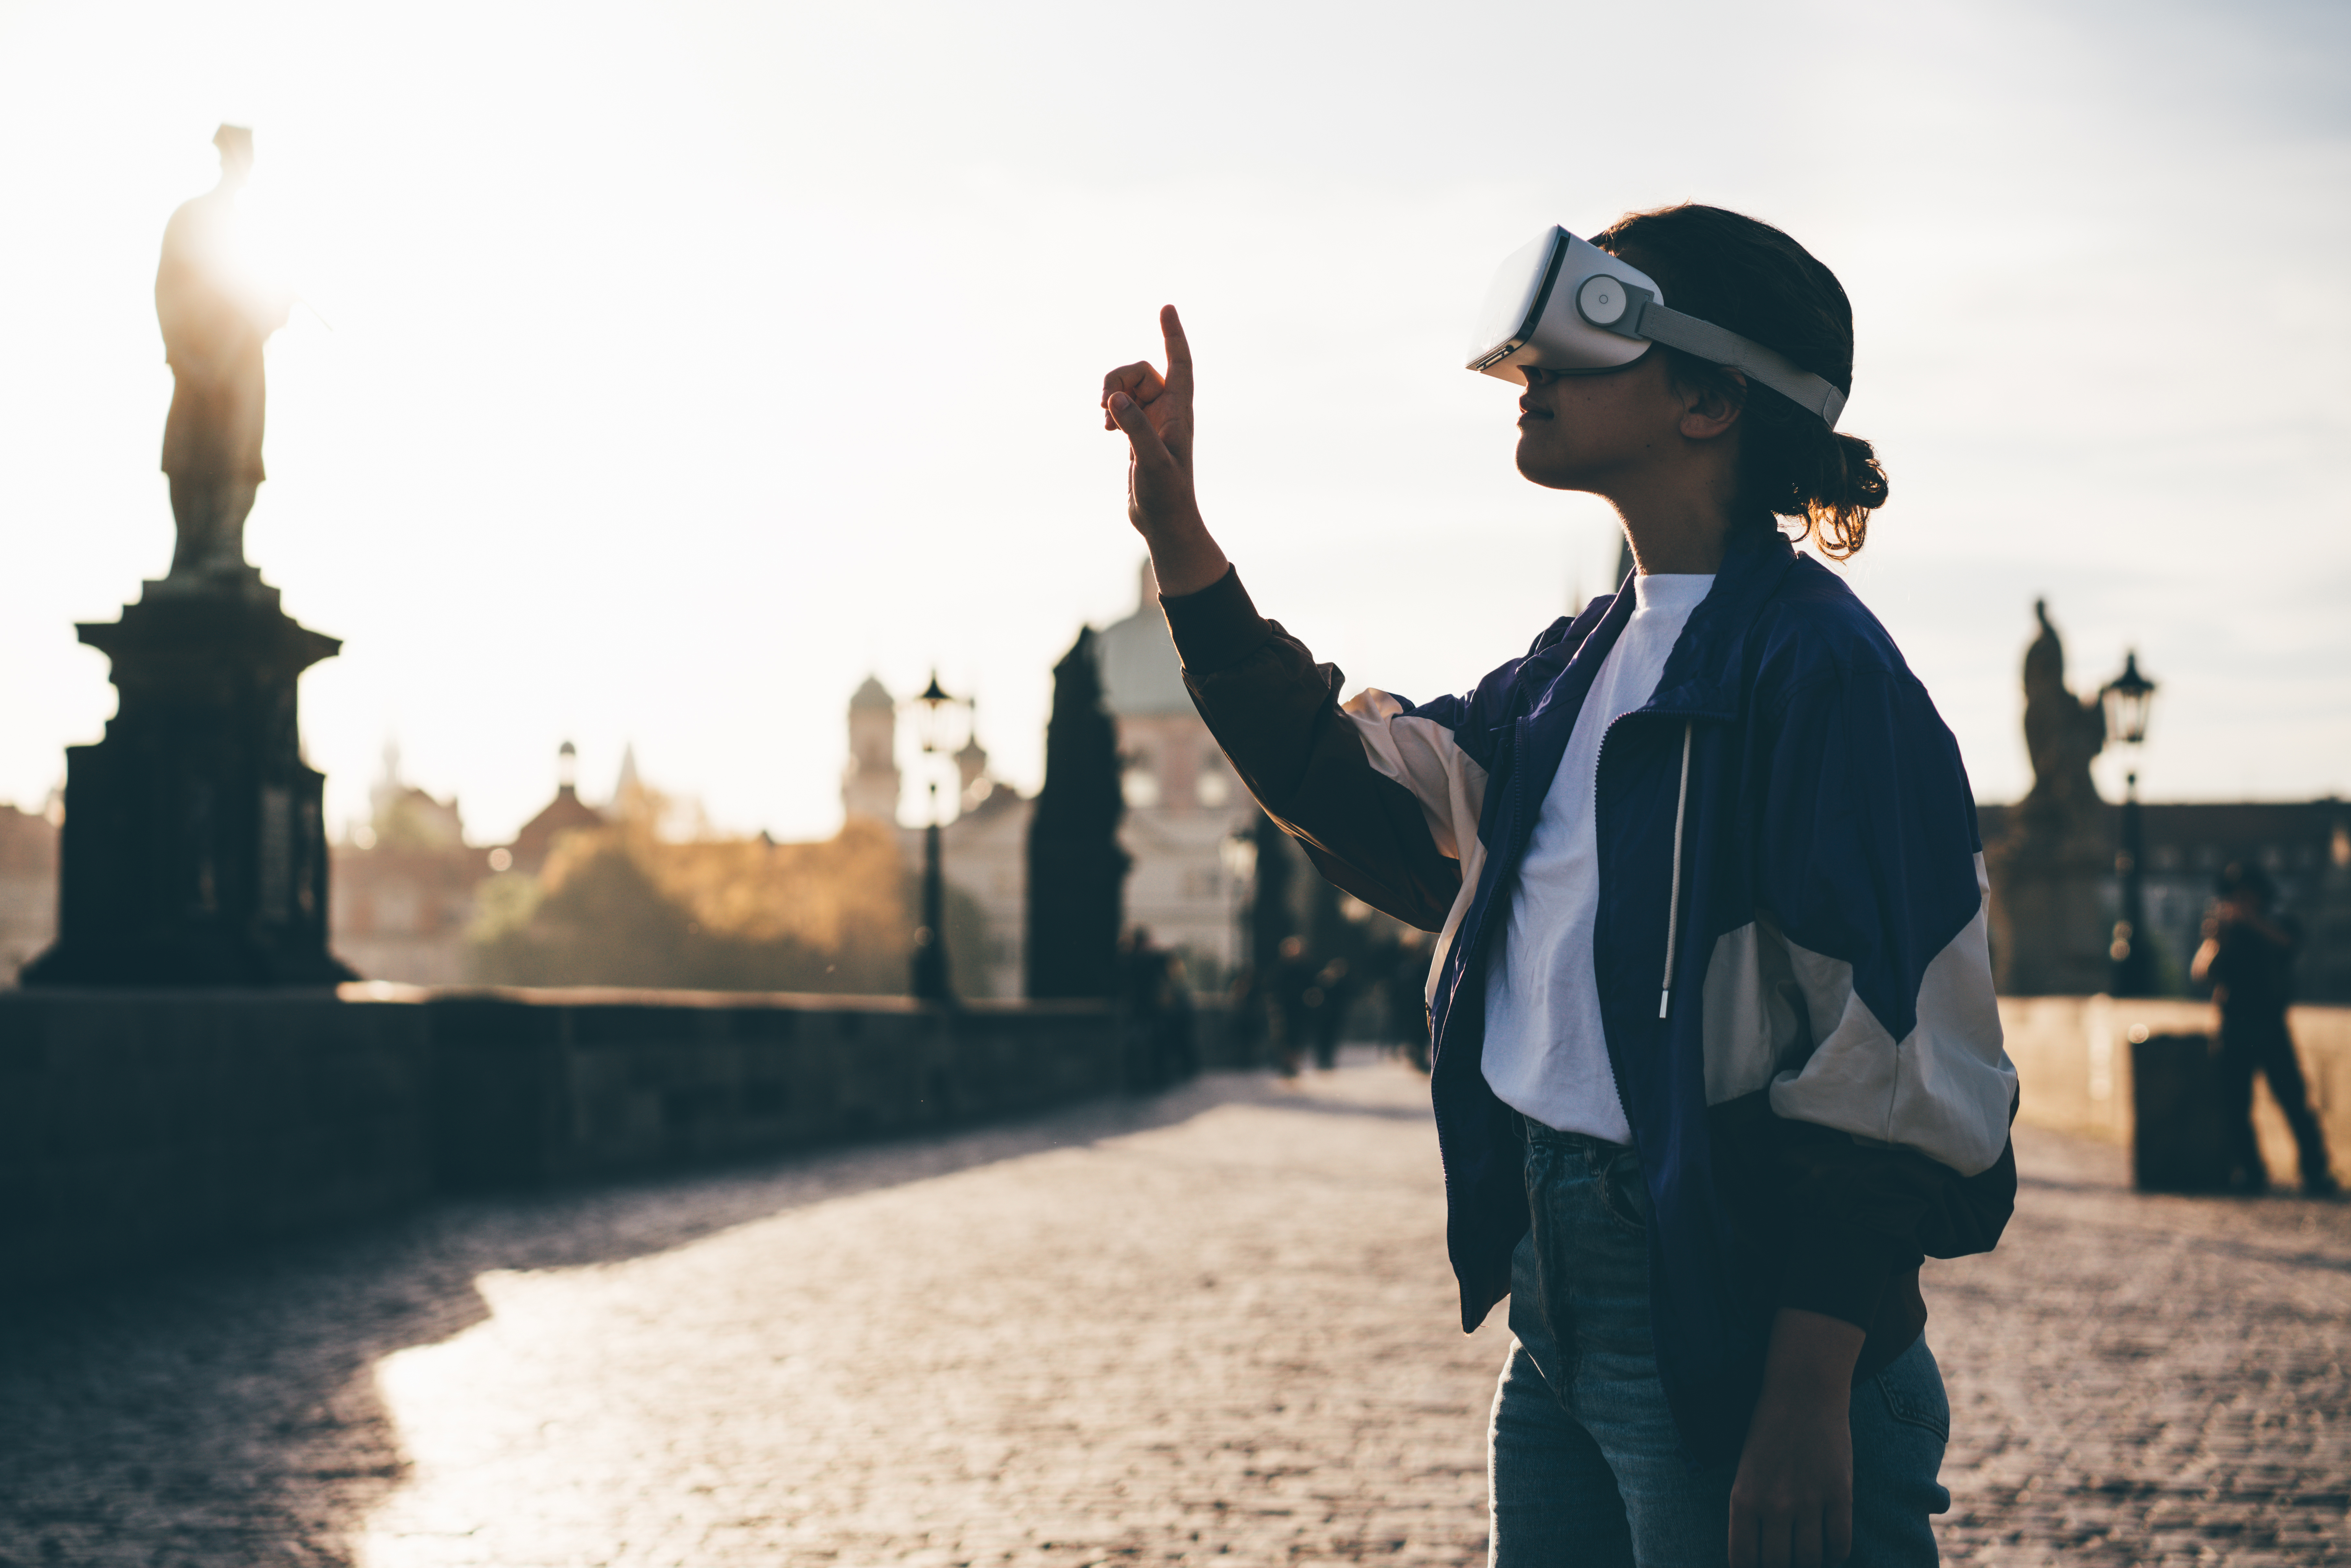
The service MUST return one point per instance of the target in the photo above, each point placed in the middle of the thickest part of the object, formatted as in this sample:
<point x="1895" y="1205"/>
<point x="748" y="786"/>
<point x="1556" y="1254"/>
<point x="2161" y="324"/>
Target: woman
<point x="1717" y="1058"/>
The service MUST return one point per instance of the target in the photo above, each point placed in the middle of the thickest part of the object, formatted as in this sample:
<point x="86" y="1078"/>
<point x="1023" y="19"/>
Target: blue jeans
<point x="1584" y="1464"/>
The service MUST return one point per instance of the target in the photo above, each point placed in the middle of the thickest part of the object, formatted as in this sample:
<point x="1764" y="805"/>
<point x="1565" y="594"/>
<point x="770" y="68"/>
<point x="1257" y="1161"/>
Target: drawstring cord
<point x="1674" y="893"/>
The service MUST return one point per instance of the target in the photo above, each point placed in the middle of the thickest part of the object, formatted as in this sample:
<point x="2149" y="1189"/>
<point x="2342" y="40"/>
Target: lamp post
<point x="2127" y="698"/>
<point x="933" y="719"/>
<point x="1238" y="853"/>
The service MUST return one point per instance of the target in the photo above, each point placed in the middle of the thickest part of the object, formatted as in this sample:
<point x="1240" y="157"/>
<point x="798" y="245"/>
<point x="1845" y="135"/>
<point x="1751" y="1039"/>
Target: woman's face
<point x="1590" y="431"/>
<point x="1621" y="432"/>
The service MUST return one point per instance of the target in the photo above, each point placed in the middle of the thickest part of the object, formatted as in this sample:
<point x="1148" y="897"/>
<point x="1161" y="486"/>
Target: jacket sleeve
<point x="1380" y="794"/>
<point x="1893" y="1127"/>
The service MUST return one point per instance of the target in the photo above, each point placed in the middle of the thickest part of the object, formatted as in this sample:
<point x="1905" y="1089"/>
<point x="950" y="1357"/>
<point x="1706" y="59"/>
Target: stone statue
<point x="2049" y="928"/>
<point x="195" y="849"/>
<point x="2062" y="733"/>
<point x="216" y="315"/>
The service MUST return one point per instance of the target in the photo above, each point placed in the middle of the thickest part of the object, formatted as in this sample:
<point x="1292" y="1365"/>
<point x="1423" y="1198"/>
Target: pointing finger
<point x="1179" y="352"/>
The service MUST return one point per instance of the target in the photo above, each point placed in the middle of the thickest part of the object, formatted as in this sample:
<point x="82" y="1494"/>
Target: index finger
<point x="1179" y="352"/>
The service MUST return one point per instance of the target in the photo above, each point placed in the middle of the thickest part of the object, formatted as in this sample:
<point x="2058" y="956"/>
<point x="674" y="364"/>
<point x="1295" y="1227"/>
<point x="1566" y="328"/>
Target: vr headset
<point x="1562" y="304"/>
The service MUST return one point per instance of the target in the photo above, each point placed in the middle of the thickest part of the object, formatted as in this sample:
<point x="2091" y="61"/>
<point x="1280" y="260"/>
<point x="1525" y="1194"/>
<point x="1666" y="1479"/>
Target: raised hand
<point x="1155" y="412"/>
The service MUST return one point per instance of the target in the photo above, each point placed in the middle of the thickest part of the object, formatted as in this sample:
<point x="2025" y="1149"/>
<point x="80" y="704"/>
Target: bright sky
<point x="687" y="362"/>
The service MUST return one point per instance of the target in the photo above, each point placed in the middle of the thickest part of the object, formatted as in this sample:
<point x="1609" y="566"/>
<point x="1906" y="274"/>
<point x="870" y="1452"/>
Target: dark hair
<point x="2243" y="878"/>
<point x="1751" y="279"/>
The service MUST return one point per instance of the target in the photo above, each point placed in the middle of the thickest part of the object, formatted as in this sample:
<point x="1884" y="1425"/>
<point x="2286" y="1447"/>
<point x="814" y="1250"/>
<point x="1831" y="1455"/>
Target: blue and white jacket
<point x="1789" y="947"/>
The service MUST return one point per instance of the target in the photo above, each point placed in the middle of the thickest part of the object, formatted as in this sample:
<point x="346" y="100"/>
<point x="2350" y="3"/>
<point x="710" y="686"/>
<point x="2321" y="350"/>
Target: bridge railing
<point x="139" y="1126"/>
<point x="2073" y="1057"/>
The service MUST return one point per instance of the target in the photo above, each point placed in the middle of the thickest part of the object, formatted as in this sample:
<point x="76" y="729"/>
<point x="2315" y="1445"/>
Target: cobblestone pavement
<point x="2137" y="1379"/>
<point x="1217" y="1324"/>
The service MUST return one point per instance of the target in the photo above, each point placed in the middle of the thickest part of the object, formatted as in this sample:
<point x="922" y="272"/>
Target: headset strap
<point x="1649" y="320"/>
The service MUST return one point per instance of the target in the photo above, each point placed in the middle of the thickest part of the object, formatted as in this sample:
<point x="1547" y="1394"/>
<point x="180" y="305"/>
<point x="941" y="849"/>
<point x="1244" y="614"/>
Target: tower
<point x="869" y="784"/>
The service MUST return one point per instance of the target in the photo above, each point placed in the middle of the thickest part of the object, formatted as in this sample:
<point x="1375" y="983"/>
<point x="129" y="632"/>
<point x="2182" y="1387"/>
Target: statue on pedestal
<point x="2049" y="930"/>
<point x="217" y="312"/>
<point x="194" y="850"/>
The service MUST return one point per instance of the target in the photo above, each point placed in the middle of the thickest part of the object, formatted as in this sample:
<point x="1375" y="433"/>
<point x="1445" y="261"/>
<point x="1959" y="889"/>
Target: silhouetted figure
<point x="1077" y="871"/>
<point x="1334" y="981"/>
<point x="215" y="316"/>
<point x="1245" y="1011"/>
<point x="1297" y="1000"/>
<point x="1254" y="996"/>
<point x="1158" y="1010"/>
<point x="2248" y="956"/>
<point x="1404" y="982"/>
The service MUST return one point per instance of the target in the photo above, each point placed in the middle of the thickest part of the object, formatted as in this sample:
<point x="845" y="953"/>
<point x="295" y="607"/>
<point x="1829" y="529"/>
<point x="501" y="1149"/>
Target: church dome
<point x="872" y="695"/>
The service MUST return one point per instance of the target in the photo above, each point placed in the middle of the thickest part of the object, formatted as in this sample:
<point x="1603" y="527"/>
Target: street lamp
<point x="936" y="720"/>
<point x="1238" y="853"/>
<point x="2127" y="698"/>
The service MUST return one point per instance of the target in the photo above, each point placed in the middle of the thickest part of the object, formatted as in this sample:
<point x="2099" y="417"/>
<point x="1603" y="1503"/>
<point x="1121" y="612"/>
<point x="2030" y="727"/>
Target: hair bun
<point x="1847" y="484"/>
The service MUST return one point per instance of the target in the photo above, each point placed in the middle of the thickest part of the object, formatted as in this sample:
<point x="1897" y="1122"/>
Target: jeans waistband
<point x="1534" y="1132"/>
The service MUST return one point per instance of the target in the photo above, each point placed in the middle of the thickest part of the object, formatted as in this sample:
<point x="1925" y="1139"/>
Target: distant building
<point x="1183" y="801"/>
<point x="28" y="887"/>
<point x="406" y="886"/>
<point x="869" y="784"/>
<point x="401" y="885"/>
<point x="987" y="854"/>
<point x="566" y="813"/>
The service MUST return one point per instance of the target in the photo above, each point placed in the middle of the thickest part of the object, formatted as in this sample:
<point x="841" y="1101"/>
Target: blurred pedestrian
<point x="2247" y="957"/>
<point x="1297" y="1004"/>
<point x="1338" y="994"/>
<point x="1247" y="1007"/>
<point x="1159" y="1011"/>
<point x="1404" y="986"/>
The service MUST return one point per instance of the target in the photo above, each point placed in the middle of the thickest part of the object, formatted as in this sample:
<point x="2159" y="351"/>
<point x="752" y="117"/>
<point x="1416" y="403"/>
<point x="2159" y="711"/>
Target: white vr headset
<point x="1562" y="304"/>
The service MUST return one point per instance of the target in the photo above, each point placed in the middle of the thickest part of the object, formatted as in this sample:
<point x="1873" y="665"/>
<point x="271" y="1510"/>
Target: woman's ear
<point x="1711" y="404"/>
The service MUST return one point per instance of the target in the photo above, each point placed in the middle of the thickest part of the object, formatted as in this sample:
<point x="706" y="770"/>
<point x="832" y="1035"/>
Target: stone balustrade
<point x="2072" y="1055"/>
<point x="141" y="1127"/>
<point x="137" y="1126"/>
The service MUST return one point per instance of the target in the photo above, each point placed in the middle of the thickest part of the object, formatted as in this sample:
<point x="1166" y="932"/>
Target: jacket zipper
<point x="1673" y="888"/>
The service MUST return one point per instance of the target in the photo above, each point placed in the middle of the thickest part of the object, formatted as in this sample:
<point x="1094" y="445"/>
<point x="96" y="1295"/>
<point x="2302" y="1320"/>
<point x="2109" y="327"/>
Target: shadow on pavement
<point x="228" y="1413"/>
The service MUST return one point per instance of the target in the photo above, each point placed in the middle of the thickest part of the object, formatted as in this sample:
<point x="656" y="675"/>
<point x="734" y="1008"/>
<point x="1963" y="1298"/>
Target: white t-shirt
<point x="1546" y="1054"/>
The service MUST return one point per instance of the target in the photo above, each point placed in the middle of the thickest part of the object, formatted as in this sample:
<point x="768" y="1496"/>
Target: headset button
<point x="1600" y="300"/>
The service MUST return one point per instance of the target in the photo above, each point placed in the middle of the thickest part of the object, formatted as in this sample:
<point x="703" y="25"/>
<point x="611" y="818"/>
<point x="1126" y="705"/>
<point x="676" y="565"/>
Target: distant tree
<point x="623" y="907"/>
<point x="1077" y="871"/>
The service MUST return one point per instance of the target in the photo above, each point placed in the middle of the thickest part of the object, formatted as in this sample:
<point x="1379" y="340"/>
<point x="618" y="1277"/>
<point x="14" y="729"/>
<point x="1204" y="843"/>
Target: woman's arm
<point x="1155" y="412"/>
<point x="1890" y="1135"/>
<point x="1380" y="795"/>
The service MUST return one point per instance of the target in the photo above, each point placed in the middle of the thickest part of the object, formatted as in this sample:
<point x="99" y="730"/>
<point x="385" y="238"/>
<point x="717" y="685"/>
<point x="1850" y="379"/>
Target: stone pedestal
<point x="194" y="850"/>
<point x="2050" y="929"/>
